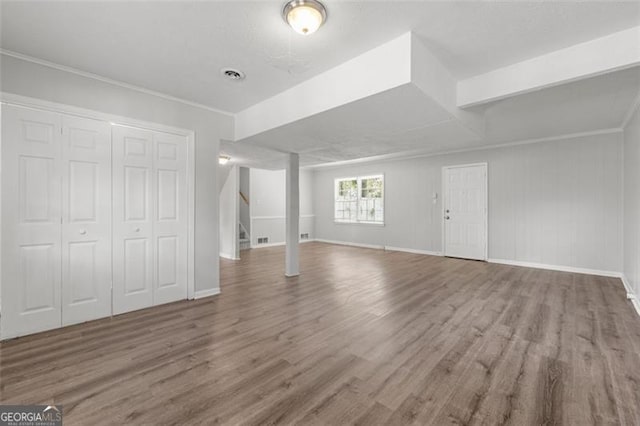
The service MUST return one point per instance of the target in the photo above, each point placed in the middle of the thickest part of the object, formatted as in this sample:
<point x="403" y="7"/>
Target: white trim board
<point x="627" y="286"/>
<point x="228" y="256"/>
<point x="206" y="293"/>
<point x="279" y="217"/>
<point x="107" y="80"/>
<point x="559" y="268"/>
<point x="380" y="247"/>
<point x="636" y="304"/>
<point x="282" y="243"/>
<point x="630" y="294"/>
<point x="414" y="251"/>
<point x="347" y="243"/>
<point x="413" y="154"/>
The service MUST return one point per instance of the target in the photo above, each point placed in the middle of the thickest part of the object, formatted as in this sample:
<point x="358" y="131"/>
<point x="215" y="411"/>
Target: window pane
<point x="371" y="188"/>
<point x="360" y="199"/>
<point x="345" y="205"/>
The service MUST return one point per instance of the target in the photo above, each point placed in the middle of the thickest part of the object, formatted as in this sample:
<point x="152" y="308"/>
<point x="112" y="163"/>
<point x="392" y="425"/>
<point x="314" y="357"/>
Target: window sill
<point x="344" y="222"/>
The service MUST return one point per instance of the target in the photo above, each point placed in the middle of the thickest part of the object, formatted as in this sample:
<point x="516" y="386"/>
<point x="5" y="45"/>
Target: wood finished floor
<point x="362" y="336"/>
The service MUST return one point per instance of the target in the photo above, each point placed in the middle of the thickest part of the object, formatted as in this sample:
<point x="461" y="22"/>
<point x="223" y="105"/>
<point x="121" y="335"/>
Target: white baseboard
<point x="346" y="243"/>
<point x="228" y="256"/>
<point x="631" y="296"/>
<point x="561" y="268"/>
<point x="206" y="293"/>
<point x="415" y="251"/>
<point x="627" y="286"/>
<point x="636" y="304"/>
<point x="257" y="246"/>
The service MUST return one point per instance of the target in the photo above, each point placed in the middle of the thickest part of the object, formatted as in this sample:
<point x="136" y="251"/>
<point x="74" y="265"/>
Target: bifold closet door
<point x="150" y="219"/>
<point x="170" y="218"/>
<point x="86" y="220"/>
<point x="133" y="189"/>
<point x="31" y="216"/>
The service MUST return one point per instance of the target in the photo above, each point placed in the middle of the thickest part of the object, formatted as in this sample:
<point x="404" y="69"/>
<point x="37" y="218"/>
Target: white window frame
<point x="359" y="180"/>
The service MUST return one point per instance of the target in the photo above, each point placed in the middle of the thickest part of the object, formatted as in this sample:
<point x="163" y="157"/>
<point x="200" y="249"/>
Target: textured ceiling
<point x="178" y="47"/>
<point x="404" y="122"/>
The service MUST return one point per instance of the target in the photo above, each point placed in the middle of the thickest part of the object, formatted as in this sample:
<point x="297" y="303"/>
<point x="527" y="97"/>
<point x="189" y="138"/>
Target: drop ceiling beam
<point x="600" y="56"/>
<point x="382" y="68"/>
<point x="436" y="82"/>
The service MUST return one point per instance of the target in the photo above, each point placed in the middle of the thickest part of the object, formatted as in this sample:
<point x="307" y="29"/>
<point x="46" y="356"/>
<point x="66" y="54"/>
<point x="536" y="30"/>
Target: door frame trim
<point x="486" y="216"/>
<point x="113" y="119"/>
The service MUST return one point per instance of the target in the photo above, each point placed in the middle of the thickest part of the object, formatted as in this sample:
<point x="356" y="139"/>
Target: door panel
<point x="465" y="198"/>
<point x="133" y="189"/>
<point x="136" y="266"/>
<point x="171" y="217"/>
<point x="86" y="222"/>
<point x="31" y="214"/>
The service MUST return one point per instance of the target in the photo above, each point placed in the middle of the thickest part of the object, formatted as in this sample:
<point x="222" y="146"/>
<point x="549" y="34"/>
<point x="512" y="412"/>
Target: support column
<point x="293" y="216"/>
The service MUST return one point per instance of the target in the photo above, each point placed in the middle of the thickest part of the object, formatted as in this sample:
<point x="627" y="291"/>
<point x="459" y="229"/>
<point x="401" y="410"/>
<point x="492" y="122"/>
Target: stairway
<point x="243" y="238"/>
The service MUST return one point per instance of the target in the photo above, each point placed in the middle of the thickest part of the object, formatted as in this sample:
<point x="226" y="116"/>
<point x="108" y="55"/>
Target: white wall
<point x="268" y="190"/>
<point x="229" y="215"/>
<point x="29" y="79"/>
<point x="632" y="205"/>
<point x="555" y="203"/>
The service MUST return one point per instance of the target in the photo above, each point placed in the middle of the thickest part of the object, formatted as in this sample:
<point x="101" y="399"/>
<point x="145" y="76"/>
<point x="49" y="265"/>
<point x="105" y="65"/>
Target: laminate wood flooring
<point x="362" y="337"/>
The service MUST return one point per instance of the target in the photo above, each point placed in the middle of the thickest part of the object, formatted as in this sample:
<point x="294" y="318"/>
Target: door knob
<point x="447" y="211"/>
<point x="83" y="231"/>
<point x="137" y="229"/>
<point x="446" y="217"/>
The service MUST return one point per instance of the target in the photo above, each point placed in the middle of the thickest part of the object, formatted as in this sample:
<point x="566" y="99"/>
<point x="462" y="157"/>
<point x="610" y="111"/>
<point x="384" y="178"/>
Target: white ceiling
<point x="178" y="47"/>
<point x="404" y="120"/>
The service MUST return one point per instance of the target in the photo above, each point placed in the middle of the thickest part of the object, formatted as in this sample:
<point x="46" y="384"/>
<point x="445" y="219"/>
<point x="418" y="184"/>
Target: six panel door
<point x="465" y="203"/>
<point x="94" y="219"/>
<point x="86" y="220"/>
<point x="133" y="188"/>
<point x="170" y="226"/>
<point x="31" y="213"/>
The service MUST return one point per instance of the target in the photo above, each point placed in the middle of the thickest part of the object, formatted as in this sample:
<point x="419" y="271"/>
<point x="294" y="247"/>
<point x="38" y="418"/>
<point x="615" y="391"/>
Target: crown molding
<point x="93" y="76"/>
<point x="418" y="154"/>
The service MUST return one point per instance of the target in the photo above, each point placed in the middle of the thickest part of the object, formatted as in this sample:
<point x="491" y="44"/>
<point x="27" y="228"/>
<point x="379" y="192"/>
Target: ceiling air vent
<point x="232" y="74"/>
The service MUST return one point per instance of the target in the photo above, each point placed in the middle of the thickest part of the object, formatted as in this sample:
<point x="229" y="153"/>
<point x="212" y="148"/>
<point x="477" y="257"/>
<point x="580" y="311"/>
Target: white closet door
<point x="86" y="220"/>
<point x="133" y="188"/>
<point x="170" y="225"/>
<point x="31" y="215"/>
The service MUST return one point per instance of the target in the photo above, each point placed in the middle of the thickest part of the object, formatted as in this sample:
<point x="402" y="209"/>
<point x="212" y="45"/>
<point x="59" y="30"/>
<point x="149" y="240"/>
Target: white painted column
<point x="293" y="216"/>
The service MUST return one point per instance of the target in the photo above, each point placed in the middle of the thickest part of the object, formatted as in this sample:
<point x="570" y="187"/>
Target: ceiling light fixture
<point x="304" y="16"/>
<point x="223" y="159"/>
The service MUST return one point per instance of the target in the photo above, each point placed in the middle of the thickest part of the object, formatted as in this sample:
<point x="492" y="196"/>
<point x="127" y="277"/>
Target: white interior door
<point x="31" y="216"/>
<point x="465" y="211"/>
<point x="171" y="223"/>
<point x="133" y="188"/>
<point x="86" y="220"/>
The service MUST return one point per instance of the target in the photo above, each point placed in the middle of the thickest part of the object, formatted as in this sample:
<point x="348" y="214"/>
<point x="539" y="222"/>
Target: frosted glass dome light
<point x="304" y="16"/>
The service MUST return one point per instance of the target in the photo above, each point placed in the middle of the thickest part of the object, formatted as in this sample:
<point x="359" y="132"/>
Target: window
<point x="359" y="199"/>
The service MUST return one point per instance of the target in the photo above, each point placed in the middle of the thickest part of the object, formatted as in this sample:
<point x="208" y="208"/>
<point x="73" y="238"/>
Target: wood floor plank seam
<point x="360" y="337"/>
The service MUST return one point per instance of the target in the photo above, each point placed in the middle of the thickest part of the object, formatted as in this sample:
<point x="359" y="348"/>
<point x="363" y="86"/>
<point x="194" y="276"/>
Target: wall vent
<point x="263" y="240"/>
<point x="304" y="236"/>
